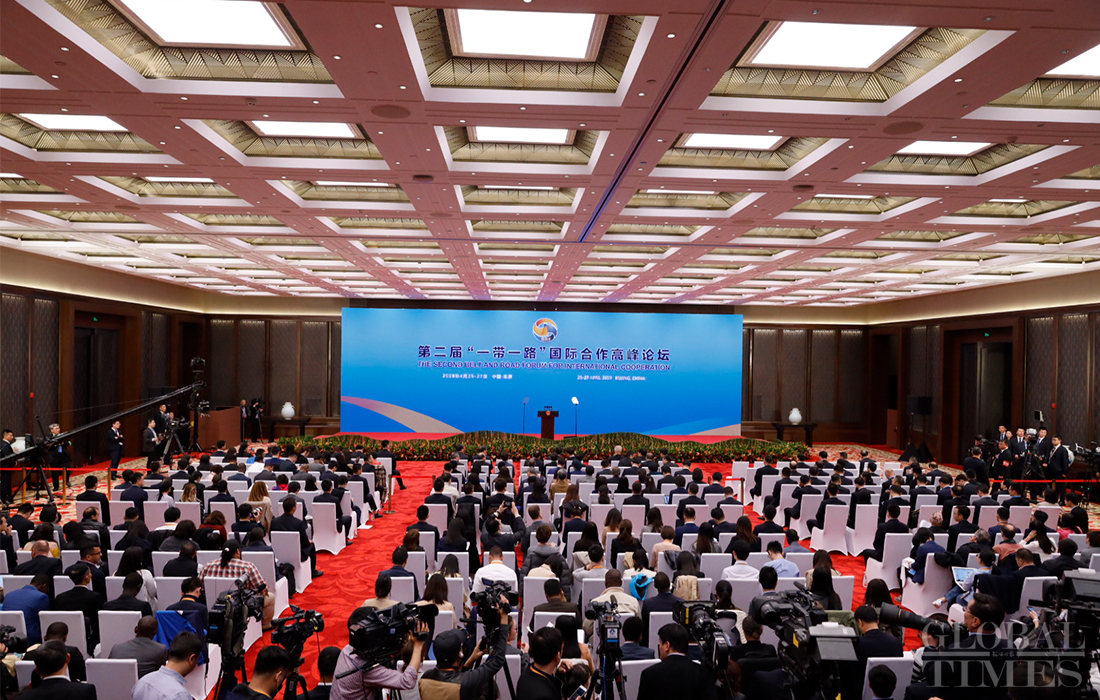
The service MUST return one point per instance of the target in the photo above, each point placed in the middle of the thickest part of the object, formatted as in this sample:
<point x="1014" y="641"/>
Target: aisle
<point x="349" y="576"/>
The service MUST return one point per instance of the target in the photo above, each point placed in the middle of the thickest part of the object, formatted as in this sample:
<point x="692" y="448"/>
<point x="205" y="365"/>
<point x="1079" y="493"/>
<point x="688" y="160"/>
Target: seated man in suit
<point x="632" y="648"/>
<point x="555" y="602"/>
<point x="676" y="676"/>
<point x="51" y="662"/>
<point x="131" y="586"/>
<point x="693" y="499"/>
<point x="99" y="500"/>
<point x="830" y="500"/>
<point x="326" y="669"/>
<point x="343" y="522"/>
<point x="30" y="600"/>
<point x="752" y="647"/>
<point x="688" y="527"/>
<point x="92" y="555"/>
<point x="83" y="599"/>
<point x="438" y="497"/>
<point x="961" y="527"/>
<point x="143" y="648"/>
<point x="59" y="631"/>
<point x="891" y="525"/>
<point x="188" y="604"/>
<point x="400" y="558"/>
<point x="186" y="564"/>
<point x="90" y="523"/>
<point x="663" y="601"/>
<point x="873" y="641"/>
<point x="287" y="522"/>
<point x="795" y="512"/>
<point x="40" y="563"/>
<point x="636" y="498"/>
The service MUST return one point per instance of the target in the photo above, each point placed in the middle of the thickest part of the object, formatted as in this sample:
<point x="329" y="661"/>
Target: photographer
<point x="541" y="681"/>
<point x="474" y="683"/>
<point x="273" y="665"/>
<point x="355" y="679"/>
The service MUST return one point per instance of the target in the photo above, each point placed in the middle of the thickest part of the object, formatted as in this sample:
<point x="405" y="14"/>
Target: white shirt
<point x="739" y="571"/>
<point x="494" y="571"/>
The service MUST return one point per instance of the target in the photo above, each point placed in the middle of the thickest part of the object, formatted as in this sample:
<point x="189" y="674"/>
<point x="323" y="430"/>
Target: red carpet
<point x="349" y="576"/>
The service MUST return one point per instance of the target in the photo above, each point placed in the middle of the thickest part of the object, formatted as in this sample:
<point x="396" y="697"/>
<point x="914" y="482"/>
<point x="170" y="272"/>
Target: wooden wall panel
<point x="252" y="361"/>
<point x="334" y="369"/>
<point x="935" y="378"/>
<point x="283" y="364"/>
<point x="1040" y="366"/>
<point x="792" y="372"/>
<point x="45" y="370"/>
<point x="221" y="366"/>
<point x="823" y="357"/>
<point x="764" y="368"/>
<point x="852" y="369"/>
<point x="314" y="368"/>
<point x="15" y="313"/>
<point x="1073" y="376"/>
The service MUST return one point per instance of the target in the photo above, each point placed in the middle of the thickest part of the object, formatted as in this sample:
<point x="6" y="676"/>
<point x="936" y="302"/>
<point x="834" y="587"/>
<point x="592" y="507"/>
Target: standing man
<point x="1058" y="464"/>
<point x="6" y="449"/>
<point x="114" y="448"/>
<point x="149" y="439"/>
<point x="244" y="420"/>
<point x="60" y="460"/>
<point x="255" y="416"/>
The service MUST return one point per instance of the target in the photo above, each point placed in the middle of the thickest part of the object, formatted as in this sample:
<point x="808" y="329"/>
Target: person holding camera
<point x="541" y="680"/>
<point x="356" y="679"/>
<point x="450" y="671"/>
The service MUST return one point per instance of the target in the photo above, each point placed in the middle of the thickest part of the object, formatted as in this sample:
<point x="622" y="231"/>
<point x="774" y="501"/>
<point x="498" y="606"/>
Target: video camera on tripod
<point x="700" y="619"/>
<point x="380" y="636"/>
<point x="810" y="648"/>
<point x="229" y="617"/>
<point x="495" y="601"/>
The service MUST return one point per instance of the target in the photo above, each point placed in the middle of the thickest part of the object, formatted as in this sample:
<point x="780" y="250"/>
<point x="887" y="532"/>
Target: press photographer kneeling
<point x="375" y="640"/>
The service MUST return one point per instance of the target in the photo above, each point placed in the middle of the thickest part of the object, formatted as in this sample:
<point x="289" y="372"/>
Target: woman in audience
<point x="654" y="521"/>
<point x="537" y="494"/>
<point x="165" y="494"/>
<point x="590" y="535"/>
<point x="448" y="568"/>
<point x="745" y="534"/>
<point x="604" y="497"/>
<point x="75" y="537"/>
<point x="668" y="534"/>
<point x="638" y="579"/>
<point x="435" y="593"/>
<point x="132" y="561"/>
<point x="230" y="456"/>
<point x="576" y="652"/>
<point x="686" y="580"/>
<point x="573" y="495"/>
<point x="705" y="541"/>
<point x="822" y="589"/>
<point x="260" y="499"/>
<point x="821" y="560"/>
<point x="612" y="522"/>
<point x="1038" y="540"/>
<point x="877" y="595"/>
<point x="43" y="532"/>
<point x="723" y="595"/>
<point x="1067" y="526"/>
<point x="211" y="534"/>
<point x="49" y="516"/>
<point x="190" y="494"/>
<point x="311" y="483"/>
<point x="623" y="485"/>
<point x="138" y="536"/>
<point x="454" y="540"/>
<point x="411" y="542"/>
<point x="624" y="542"/>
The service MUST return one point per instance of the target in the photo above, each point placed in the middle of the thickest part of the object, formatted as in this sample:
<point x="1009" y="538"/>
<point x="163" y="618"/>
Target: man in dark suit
<point x="1058" y="466"/>
<point x="769" y="526"/>
<point x="92" y="555"/>
<point x="920" y="488"/>
<point x="51" y="661"/>
<point x="7" y="438"/>
<point x="555" y="602"/>
<point x="150" y="440"/>
<point x="958" y="498"/>
<point x="94" y="498"/>
<point x="866" y="463"/>
<point x="1017" y="497"/>
<point x="664" y="601"/>
<point x="676" y="676"/>
<point x="288" y="522"/>
<point x="633" y="650"/>
<point x="692" y="499"/>
<point x="186" y="564"/>
<point x="891" y="525"/>
<point x="423" y="525"/>
<point x="343" y="521"/>
<point x="83" y="599"/>
<point x="191" y="591"/>
<point x="131" y="586"/>
<point x="438" y="497"/>
<point x="766" y="470"/>
<point x="897" y="495"/>
<point x="823" y="463"/>
<point x="715" y="485"/>
<point x="718" y="519"/>
<point x="976" y="464"/>
<point x="326" y="669"/>
<point x="1065" y="561"/>
<point x="21" y="521"/>
<point x="873" y="641"/>
<point x="40" y="563"/>
<point x="830" y="500"/>
<point x="776" y="493"/>
<point x="862" y="496"/>
<point x="240" y="475"/>
<point x="984" y="499"/>
<point x="962" y="527"/>
<point x="688" y="527"/>
<point x="795" y="512"/>
<point x="135" y="492"/>
<point x="636" y="498"/>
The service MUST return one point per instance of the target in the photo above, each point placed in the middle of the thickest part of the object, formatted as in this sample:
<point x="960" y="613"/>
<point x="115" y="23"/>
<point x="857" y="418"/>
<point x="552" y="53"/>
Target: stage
<point x="402" y="437"/>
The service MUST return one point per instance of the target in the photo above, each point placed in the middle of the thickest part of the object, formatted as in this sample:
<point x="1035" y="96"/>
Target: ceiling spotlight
<point x="402" y="87"/>
<point x="958" y="80"/>
<point x="337" y="57"/>
<point x="183" y="98"/>
<point x="66" y="48"/>
<point x="671" y="36"/>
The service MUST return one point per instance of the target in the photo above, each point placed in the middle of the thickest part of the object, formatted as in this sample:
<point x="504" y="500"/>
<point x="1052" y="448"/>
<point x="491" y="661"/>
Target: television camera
<point x="700" y="617"/>
<point x="811" y="649"/>
<point x="496" y="600"/>
<point x="228" y="622"/>
<point x="1067" y="633"/>
<point x="380" y="636"/>
<point x="291" y="633"/>
<point x="608" y="678"/>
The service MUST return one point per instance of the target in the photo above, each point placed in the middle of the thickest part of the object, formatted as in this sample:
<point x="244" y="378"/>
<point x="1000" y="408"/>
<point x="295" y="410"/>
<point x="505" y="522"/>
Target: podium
<point x="548" y="415"/>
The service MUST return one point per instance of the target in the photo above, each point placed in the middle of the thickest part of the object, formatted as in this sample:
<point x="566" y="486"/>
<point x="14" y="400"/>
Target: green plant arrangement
<point x="590" y="446"/>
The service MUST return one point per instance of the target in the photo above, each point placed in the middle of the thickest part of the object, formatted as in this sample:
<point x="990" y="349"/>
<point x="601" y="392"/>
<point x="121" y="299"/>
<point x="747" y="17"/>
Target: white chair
<point x="226" y="509"/>
<point x="74" y="619"/>
<point x="712" y="565"/>
<point x="862" y="536"/>
<point x="14" y="618"/>
<point x="61" y="584"/>
<point x="154" y="514"/>
<point x="845" y="587"/>
<point x="902" y="666"/>
<point x="592" y="587"/>
<point x="1032" y="590"/>
<point x="534" y="592"/>
<point x="803" y="560"/>
<point x="118" y="510"/>
<point x="808" y="512"/>
<point x="456" y="589"/>
<point x="1020" y="516"/>
<point x="113" y="678"/>
<point x="657" y="620"/>
<point x="327" y="536"/>
<point x="427" y="543"/>
<point x="437" y="515"/>
<point x="895" y="548"/>
<point x="744" y="590"/>
<point x="116" y="627"/>
<point x="445" y="620"/>
<point x="418" y="565"/>
<point x="216" y="585"/>
<point x="23" y="671"/>
<point x="632" y="675"/>
<point x="832" y="534"/>
<point x="768" y="537"/>
<point x="402" y="589"/>
<point x="918" y="597"/>
<point x="192" y="512"/>
<point x="265" y="563"/>
<point x="287" y="548"/>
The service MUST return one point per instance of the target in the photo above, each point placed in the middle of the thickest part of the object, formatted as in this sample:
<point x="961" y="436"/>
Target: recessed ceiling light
<point x="378" y="26"/>
<point x="732" y="141"/>
<point x="152" y="178"/>
<point x="827" y="45"/>
<point x="342" y="183"/>
<point x="213" y="22"/>
<point x="1087" y="65"/>
<point x="316" y="130"/>
<point x="679" y="191"/>
<point x="944" y="148"/>
<point x="844" y="196"/>
<point x="1010" y="201"/>
<point x="10" y="176"/>
<point x="517" y="134"/>
<point x="567" y="35"/>
<point x="518" y="187"/>
<point x="73" y="122"/>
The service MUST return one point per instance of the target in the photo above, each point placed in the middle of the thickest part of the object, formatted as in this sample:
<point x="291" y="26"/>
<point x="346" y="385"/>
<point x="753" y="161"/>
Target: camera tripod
<point x="608" y="678"/>
<point x="230" y="665"/>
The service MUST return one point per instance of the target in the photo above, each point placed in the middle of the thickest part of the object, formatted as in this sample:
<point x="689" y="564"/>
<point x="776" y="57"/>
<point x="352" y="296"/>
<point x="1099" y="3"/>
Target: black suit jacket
<point x="114" y="439"/>
<point x="876" y="643"/>
<point x="128" y="602"/>
<point x="978" y="466"/>
<point x="97" y="499"/>
<point x="900" y="500"/>
<point x="890" y="527"/>
<point x="40" y="565"/>
<point x="1059" y="565"/>
<point x="60" y="688"/>
<point x="181" y="567"/>
<point x="677" y="677"/>
<point x="86" y="601"/>
<point x="662" y="602"/>
<point x="1059" y="461"/>
<point x="830" y="501"/>
<point x="1017" y="446"/>
<point x="861" y="497"/>
<point x="960" y="529"/>
<point x="148" y="441"/>
<point x="22" y="526"/>
<point x="918" y="491"/>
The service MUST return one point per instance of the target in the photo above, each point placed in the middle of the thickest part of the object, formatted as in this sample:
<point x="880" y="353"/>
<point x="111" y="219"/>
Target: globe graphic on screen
<point x="545" y="330"/>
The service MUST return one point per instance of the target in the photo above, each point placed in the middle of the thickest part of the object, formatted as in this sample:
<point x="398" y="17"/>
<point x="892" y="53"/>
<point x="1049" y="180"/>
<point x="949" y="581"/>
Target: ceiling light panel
<point x="73" y="122"/>
<point x="944" y="148"/>
<point x="518" y="134"/>
<point x="305" y="130"/>
<point x="828" y="45"/>
<point x="1087" y="65"/>
<point x="732" y="142"/>
<point x="571" y="36"/>
<point x="223" y="23"/>
<point x="195" y="180"/>
<point x="346" y="183"/>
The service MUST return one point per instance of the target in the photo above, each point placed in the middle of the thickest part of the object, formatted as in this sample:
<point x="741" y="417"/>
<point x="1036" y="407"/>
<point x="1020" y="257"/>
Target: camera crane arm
<point x="54" y="440"/>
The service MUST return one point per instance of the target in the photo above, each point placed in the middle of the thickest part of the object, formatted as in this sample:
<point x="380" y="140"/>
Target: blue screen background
<point x="692" y="383"/>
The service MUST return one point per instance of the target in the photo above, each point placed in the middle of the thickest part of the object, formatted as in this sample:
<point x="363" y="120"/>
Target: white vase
<point x="287" y="411"/>
<point x="795" y="416"/>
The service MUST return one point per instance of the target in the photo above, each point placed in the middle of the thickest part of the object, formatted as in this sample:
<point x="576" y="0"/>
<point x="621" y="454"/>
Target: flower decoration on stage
<point x="545" y="330"/>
